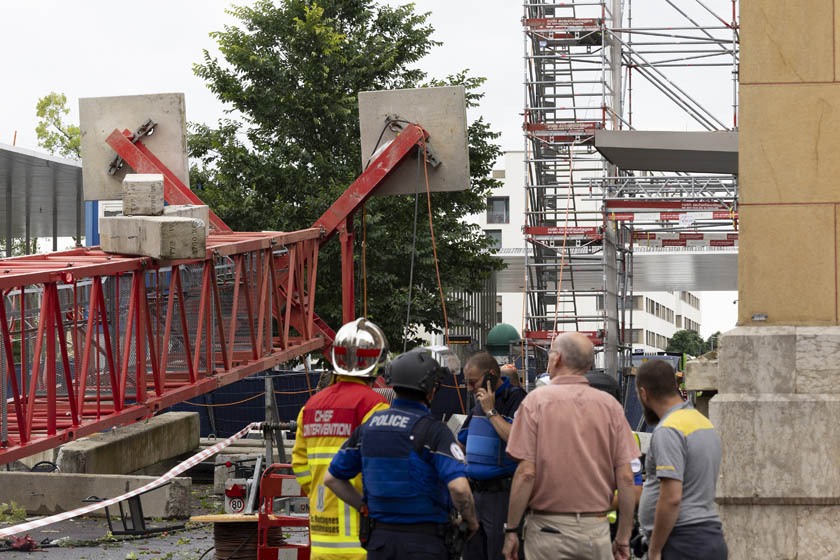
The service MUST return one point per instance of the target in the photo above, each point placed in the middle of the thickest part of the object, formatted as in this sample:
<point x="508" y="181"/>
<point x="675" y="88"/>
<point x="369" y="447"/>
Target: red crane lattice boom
<point x="92" y="340"/>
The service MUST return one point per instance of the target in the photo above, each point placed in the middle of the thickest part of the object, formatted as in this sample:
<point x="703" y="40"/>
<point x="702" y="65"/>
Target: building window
<point x="679" y="321"/>
<point x="498" y="210"/>
<point x="637" y="303"/>
<point x="638" y="336"/>
<point x="498" y="309"/>
<point x="495" y="236"/>
<point x="498" y="173"/>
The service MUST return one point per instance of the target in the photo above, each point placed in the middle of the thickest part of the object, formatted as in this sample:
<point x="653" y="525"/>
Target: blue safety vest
<point x="486" y="456"/>
<point x="400" y="486"/>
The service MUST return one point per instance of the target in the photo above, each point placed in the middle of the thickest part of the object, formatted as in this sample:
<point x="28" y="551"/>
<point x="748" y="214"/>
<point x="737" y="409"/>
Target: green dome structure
<point x="499" y="339"/>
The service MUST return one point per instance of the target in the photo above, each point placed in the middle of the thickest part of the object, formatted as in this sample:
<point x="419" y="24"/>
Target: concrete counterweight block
<point x="143" y="195"/>
<point x="159" y="237"/>
<point x="194" y="211"/>
<point x="133" y="447"/>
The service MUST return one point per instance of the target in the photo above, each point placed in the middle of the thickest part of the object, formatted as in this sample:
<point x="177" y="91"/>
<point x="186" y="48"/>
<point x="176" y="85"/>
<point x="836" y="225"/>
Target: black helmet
<point x="414" y="370"/>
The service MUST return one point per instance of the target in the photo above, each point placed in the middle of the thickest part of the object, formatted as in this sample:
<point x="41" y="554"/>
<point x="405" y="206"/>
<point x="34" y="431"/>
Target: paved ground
<point x="88" y="539"/>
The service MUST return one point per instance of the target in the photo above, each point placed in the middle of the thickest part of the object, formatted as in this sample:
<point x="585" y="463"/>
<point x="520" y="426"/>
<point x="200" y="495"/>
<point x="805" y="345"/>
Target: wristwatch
<point x="512" y="529"/>
<point x="493" y="412"/>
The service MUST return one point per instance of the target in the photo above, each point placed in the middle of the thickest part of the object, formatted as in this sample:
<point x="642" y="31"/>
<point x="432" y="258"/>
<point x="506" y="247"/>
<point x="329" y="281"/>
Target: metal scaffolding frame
<point x="584" y="214"/>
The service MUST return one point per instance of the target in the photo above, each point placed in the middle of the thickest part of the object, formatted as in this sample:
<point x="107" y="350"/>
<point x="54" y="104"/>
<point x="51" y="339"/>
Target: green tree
<point x="687" y="342"/>
<point x="54" y="134"/>
<point x="712" y="343"/>
<point x="290" y="75"/>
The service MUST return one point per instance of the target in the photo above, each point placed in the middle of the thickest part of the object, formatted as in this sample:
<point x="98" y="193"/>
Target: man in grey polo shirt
<point x="677" y="510"/>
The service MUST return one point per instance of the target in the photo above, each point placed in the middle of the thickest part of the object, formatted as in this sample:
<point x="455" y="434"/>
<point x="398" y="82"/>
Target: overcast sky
<point x="97" y="48"/>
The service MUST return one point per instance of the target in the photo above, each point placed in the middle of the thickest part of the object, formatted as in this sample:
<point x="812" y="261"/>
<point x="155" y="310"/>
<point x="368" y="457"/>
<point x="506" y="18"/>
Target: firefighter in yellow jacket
<point x="324" y="423"/>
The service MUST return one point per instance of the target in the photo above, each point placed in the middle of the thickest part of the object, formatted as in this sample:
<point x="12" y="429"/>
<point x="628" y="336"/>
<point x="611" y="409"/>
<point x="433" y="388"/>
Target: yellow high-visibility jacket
<point x="323" y="425"/>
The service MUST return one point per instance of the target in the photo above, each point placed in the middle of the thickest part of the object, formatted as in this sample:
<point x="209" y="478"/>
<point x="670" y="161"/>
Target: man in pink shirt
<point x="574" y="448"/>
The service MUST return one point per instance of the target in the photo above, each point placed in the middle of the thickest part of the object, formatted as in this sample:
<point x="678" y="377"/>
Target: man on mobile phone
<point x="484" y="435"/>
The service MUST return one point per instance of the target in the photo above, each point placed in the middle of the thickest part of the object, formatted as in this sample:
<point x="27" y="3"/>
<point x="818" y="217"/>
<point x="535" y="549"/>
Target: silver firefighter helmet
<point x="359" y="349"/>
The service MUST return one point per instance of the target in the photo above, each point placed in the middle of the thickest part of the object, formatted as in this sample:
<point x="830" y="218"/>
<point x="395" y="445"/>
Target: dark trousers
<point x="701" y="541"/>
<point x="492" y="509"/>
<point x="398" y="545"/>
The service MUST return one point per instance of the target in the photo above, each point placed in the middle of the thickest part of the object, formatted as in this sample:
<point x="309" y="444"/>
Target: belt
<point x="502" y="484"/>
<point x="434" y="529"/>
<point x="571" y="514"/>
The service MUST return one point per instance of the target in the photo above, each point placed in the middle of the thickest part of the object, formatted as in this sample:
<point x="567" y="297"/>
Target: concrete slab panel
<point x="143" y="194"/>
<point x="194" y="211"/>
<point x="701" y="375"/>
<point x="442" y="112"/>
<point x="99" y="116"/>
<point x="159" y="237"/>
<point x="787" y="41"/>
<point x="51" y="493"/>
<point x="786" y="265"/>
<point x="133" y="447"/>
<point x="788" y="143"/>
<point x="697" y="152"/>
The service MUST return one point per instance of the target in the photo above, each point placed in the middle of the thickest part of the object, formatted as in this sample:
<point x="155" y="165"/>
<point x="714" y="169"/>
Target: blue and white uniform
<point x="406" y="459"/>
<point x="490" y="471"/>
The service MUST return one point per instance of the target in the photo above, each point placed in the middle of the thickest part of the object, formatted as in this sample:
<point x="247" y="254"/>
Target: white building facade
<point x="656" y="316"/>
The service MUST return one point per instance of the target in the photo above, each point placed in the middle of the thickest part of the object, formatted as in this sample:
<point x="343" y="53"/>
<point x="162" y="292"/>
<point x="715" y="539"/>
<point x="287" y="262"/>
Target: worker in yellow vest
<point x="324" y="423"/>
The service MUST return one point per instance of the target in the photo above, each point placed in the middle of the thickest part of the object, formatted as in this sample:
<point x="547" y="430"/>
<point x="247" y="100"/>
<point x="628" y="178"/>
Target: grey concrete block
<point x="51" y="493"/>
<point x="143" y="194"/>
<point x="701" y="375"/>
<point x="99" y="116"/>
<point x="133" y="447"/>
<point x="159" y="237"/>
<point x="194" y="211"/>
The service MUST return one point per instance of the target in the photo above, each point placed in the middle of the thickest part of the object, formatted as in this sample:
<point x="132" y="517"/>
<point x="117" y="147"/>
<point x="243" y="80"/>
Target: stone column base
<point x="781" y="532"/>
<point x="778" y="415"/>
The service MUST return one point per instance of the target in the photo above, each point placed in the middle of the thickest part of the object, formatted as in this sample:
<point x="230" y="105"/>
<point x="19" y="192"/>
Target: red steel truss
<point x="92" y="340"/>
<point x="174" y="341"/>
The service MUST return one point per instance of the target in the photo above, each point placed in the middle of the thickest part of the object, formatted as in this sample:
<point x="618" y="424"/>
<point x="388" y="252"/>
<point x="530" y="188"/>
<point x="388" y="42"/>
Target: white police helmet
<point x="359" y="348"/>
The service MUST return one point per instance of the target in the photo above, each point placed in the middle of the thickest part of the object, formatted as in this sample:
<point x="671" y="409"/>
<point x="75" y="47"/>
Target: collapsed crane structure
<point x="90" y="340"/>
<point x="595" y="187"/>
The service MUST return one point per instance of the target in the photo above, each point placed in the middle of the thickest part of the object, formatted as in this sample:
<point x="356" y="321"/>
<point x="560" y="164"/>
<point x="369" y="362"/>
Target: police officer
<point x="484" y="435"/>
<point x="324" y="424"/>
<point x="411" y="466"/>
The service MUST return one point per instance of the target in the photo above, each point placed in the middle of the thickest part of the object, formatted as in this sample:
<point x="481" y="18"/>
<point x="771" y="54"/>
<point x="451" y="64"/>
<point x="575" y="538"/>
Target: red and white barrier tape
<point x="172" y="473"/>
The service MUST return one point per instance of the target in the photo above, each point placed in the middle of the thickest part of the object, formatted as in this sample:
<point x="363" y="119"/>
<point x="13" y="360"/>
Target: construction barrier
<point x="172" y="473"/>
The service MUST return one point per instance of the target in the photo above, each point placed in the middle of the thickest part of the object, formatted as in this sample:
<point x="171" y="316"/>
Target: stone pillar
<point x="778" y="407"/>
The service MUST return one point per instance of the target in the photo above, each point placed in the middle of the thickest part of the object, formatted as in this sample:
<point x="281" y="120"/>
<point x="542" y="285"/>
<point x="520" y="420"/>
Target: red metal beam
<point x="49" y="412"/>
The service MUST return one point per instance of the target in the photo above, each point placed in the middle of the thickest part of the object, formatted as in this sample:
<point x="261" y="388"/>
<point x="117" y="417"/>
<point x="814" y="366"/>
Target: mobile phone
<point x="489" y="377"/>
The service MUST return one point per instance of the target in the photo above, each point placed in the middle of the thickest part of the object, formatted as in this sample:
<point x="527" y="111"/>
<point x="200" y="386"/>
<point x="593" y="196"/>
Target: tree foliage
<point x="54" y="134"/>
<point x="713" y="342"/>
<point x="687" y="342"/>
<point x="290" y="72"/>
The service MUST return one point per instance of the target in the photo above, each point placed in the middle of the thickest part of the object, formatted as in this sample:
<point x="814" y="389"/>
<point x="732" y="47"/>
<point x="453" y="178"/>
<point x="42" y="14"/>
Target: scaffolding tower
<point x="584" y="216"/>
